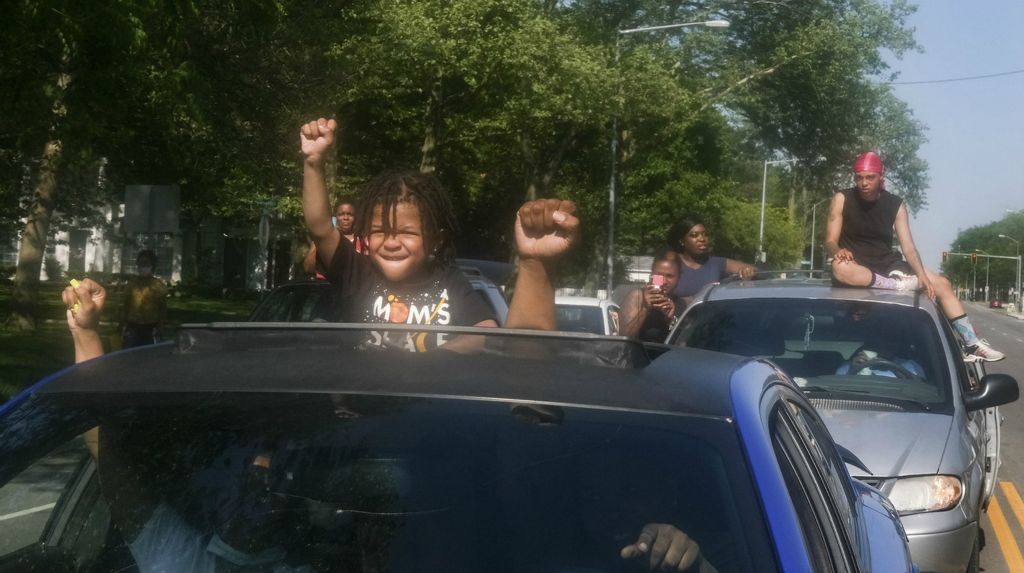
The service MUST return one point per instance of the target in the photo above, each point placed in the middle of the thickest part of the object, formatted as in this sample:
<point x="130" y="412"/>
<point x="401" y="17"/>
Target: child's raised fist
<point x="316" y="137"/>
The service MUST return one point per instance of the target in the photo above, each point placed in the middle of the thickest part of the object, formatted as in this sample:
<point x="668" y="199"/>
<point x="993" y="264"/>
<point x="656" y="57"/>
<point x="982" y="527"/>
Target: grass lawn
<point x="25" y="357"/>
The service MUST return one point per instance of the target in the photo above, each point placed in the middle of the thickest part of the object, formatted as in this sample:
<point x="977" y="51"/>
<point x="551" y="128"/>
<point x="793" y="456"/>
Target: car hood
<point x="890" y="443"/>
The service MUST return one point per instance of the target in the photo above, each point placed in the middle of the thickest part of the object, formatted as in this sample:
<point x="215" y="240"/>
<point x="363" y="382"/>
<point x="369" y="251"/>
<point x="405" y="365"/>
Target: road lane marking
<point x="1011" y="552"/>
<point x="1013" y="498"/>
<point x="28" y="511"/>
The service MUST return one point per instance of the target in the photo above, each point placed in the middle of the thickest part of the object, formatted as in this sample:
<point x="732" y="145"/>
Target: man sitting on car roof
<point x="859" y="240"/>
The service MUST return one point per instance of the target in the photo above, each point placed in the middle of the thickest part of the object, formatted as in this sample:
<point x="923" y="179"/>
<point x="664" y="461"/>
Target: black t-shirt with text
<point x="443" y="297"/>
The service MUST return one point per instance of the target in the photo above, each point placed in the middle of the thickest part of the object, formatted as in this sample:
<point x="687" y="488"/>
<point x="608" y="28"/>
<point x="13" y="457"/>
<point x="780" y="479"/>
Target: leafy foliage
<point x="505" y="100"/>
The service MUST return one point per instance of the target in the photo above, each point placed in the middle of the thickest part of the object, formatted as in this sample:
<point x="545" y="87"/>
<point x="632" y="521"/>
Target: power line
<point x="962" y="79"/>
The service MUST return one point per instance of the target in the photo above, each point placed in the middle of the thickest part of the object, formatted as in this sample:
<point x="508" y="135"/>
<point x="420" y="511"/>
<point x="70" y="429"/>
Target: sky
<point x="975" y="148"/>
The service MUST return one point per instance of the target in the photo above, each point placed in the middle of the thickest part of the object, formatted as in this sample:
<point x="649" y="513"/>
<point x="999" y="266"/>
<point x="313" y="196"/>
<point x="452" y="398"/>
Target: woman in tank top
<point x="697" y="268"/>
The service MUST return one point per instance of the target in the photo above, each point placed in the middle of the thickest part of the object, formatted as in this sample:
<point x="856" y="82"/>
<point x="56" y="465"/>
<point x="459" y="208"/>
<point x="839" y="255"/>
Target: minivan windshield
<point x="853" y="349"/>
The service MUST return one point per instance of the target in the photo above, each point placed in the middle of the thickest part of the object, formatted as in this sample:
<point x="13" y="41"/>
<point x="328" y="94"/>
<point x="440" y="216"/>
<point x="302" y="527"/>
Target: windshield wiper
<point x="862" y="394"/>
<point x="832" y="390"/>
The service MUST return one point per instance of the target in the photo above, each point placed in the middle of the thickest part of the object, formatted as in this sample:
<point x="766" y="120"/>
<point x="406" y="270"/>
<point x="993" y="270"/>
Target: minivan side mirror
<point x="995" y="390"/>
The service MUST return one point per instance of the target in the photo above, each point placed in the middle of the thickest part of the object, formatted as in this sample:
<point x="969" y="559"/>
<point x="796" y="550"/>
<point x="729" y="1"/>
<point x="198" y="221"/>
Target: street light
<point x="1016" y="242"/>
<point x="615" y="137"/>
<point x="760" y="256"/>
<point x="814" y="214"/>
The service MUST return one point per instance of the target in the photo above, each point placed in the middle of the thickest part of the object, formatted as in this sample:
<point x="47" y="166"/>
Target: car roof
<point x="813" y="289"/>
<point x="571" y="369"/>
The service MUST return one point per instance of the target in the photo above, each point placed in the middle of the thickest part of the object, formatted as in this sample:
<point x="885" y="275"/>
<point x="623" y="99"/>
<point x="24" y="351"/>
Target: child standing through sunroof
<point x="409" y="275"/>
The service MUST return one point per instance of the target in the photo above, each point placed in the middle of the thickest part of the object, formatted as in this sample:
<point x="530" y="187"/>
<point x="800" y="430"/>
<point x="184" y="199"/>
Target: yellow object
<point x="74" y="284"/>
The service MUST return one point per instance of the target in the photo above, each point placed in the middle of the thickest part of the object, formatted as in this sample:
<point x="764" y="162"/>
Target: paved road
<point x="1004" y="524"/>
<point x="27" y="501"/>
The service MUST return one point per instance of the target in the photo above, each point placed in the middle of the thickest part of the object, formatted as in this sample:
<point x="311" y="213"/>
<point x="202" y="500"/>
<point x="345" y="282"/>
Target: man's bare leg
<point x="957" y="315"/>
<point x="853" y="274"/>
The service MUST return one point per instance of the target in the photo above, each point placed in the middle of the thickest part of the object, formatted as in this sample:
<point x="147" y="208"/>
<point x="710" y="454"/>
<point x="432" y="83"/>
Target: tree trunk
<point x="37" y="225"/>
<point x="540" y="176"/>
<point x="435" y="123"/>
<point x="33" y="241"/>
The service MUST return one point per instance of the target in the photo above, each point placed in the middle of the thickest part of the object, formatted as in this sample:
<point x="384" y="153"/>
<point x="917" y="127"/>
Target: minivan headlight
<point x="926" y="493"/>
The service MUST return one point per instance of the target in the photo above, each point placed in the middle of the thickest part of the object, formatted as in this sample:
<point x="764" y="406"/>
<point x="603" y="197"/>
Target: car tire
<point x="974" y="565"/>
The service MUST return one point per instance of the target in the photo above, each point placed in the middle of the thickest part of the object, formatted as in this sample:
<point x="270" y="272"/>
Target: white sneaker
<point x="906" y="282"/>
<point x="982" y="351"/>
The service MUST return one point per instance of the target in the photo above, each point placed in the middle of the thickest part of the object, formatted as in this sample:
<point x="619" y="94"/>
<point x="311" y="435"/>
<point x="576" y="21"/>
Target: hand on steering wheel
<point x="890" y="366"/>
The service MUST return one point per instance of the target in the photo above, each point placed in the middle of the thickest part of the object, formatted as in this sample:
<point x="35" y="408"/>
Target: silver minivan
<point x="887" y="375"/>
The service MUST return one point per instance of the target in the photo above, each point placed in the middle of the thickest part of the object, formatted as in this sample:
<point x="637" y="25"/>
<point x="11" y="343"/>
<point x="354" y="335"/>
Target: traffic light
<point x="945" y="255"/>
<point x="974" y="258"/>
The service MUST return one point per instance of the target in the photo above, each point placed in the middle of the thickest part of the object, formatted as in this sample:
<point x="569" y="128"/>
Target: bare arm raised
<point x="317" y="138"/>
<point x="546" y="229"/>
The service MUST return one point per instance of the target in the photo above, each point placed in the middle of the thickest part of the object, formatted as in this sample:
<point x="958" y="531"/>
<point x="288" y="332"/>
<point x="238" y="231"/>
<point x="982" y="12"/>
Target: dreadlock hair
<point x="679" y="229"/>
<point x="423" y="190"/>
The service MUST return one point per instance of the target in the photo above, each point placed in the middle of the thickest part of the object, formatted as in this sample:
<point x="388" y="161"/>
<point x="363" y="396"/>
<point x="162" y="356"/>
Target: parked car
<point x="313" y="300"/>
<point x="887" y="375"/>
<point x="294" y="448"/>
<point x="995" y="303"/>
<point x="587" y="314"/>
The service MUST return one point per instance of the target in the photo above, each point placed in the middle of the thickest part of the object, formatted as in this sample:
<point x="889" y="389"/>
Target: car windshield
<point x="580" y="318"/>
<point x="346" y="482"/>
<point x="859" y="349"/>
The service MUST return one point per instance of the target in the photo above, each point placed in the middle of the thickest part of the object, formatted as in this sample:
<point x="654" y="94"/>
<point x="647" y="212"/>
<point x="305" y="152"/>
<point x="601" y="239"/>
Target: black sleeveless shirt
<point x="868" y="226"/>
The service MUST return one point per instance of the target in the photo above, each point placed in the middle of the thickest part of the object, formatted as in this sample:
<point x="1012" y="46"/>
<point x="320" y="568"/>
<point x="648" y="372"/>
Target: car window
<point x="613" y="319"/>
<point x="820" y="524"/>
<point x="885" y="352"/>
<point x="345" y="482"/>
<point x="831" y="468"/>
<point x="577" y="318"/>
<point x="495" y="300"/>
<point x="28" y="500"/>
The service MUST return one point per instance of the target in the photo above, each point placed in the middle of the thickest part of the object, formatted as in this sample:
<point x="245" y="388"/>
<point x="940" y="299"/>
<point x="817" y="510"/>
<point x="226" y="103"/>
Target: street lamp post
<point x="760" y="256"/>
<point x="610" y="262"/>
<point x="1016" y="242"/>
<point x="988" y="263"/>
<point x="814" y="237"/>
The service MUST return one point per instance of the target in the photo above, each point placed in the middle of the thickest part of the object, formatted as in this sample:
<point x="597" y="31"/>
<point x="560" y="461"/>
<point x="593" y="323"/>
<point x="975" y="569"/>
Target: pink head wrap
<point x="868" y="161"/>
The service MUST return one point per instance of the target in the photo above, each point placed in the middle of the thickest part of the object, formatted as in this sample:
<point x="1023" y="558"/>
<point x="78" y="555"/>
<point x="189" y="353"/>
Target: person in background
<point x="861" y="224"/>
<point x="650" y="311"/>
<point x="688" y="237"/>
<point x="145" y="304"/>
<point x="344" y="220"/>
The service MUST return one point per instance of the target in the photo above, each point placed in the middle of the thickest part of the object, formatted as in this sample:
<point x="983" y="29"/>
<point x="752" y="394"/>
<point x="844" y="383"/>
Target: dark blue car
<point x="258" y="448"/>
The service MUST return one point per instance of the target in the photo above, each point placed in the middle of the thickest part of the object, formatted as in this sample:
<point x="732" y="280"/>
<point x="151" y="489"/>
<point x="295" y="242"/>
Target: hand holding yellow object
<point x="74" y="284"/>
<point x="84" y="301"/>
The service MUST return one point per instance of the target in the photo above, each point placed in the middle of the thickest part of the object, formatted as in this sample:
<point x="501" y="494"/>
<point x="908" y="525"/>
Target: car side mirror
<point x="995" y="390"/>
